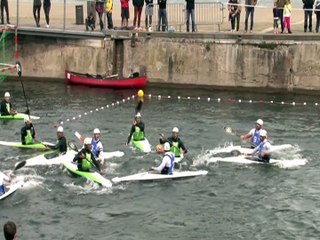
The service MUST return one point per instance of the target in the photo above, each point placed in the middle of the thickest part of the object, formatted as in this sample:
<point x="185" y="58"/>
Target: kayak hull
<point x="146" y="176"/>
<point x="12" y="188"/>
<point x="244" y="150"/>
<point x="143" y="145"/>
<point x="43" y="159"/>
<point x="18" y="116"/>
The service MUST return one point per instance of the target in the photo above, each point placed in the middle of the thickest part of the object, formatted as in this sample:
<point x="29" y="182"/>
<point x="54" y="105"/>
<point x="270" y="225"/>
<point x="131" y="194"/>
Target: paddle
<point x="18" y="166"/>
<point x="231" y="131"/>
<point x="19" y="70"/>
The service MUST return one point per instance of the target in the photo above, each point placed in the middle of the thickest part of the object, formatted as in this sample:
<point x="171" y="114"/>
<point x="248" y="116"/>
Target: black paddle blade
<point x="19" y="165"/>
<point x="139" y="106"/>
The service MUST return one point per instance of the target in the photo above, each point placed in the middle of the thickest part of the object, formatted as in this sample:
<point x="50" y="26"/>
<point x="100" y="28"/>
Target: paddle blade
<point x="78" y="135"/>
<point x="72" y="146"/>
<point x="235" y="152"/>
<point x="139" y="106"/>
<point x="19" y="165"/>
<point x="229" y="130"/>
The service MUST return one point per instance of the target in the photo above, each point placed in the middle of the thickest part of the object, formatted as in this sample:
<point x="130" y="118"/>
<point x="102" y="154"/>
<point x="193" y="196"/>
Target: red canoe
<point x="134" y="81"/>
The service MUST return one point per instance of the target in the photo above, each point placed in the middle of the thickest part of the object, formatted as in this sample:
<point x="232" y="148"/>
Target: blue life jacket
<point x="95" y="150"/>
<point x="255" y="139"/>
<point x="169" y="170"/>
<point x="2" y="191"/>
<point x="265" y="158"/>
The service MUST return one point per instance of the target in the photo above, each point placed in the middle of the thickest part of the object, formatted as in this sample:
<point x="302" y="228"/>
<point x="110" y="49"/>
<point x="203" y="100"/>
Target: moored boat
<point x="113" y="81"/>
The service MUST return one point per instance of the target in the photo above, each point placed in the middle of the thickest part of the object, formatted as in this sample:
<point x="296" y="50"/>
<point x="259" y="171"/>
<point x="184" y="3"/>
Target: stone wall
<point x="224" y="63"/>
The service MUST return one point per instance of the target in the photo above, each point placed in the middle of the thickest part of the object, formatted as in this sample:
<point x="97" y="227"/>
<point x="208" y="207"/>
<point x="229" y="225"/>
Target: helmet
<point x="96" y="131"/>
<point x="159" y="148"/>
<point x="87" y="141"/>
<point x="166" y="146"/>
<point x="6" y="94"/>
<point x="60" y="129"/>
<point x="263" y="133"/>
<point x="260" y="122"/>
<point x="138" y="115"/>
<point x="175" y="129"/>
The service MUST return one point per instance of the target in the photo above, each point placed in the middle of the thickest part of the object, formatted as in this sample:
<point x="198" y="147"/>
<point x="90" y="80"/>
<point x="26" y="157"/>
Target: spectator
<point x="233" y="9"/>
<point x="36" y="11"/>
<point x="4" y="6"/>
<point x="317" y="12"/>
<point x="280" y="5"/>
<point x="46" y="8"/>
<point x="287" y="15"/>
<point x="138" y="6"/>
<point x="109" y="8"/>
<point x="9" y="230"/>
<point x="149" y="13"/>
<point x="250" y="4"/>
<point x="308" y="7"/>
<point x="162" y="15"/>
<point x="275" y="18"/>
<point x="190" y="12"/>
<point x="124" y="13"/>
<point x="90" y="22"/>
<point x="100" y="10"/>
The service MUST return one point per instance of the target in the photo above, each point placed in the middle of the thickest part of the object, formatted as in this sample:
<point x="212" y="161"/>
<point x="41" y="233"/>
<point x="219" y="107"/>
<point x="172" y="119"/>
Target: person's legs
<point x="2" y="11"/>
<point x="165" y="19"/>
<point x="188" y="19"/>
<point x="193" y="21"/>
<point x="289" y="25"/>
<point x="280" y="14"/>
<point x="160" y="20"/>
<point x="135" y="16"/>
<point x="246" y="20"/>
<point x="310" y="21"/>
<point x="139" y="15"/>
<point x="237" y="21"/>
<point x="252" y="18"/>
<point x="7" y="10"/>
<point x="318" y="22"/>
<point x="47" y="12"/>
<point x="305" y="20"/>
<point x="109" y="18"/>
<point x="285" y="23"/>
<point x="233" y="20"/>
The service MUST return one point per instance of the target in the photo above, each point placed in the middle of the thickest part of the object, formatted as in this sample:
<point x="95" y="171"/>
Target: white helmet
<point x="263" y="133"/>
<point x="60" y="129"/>
<point x="6" y="94"/>
<point x="138" y="115"/>
<point x="260" y="122"/>
<point x="96" y="131"/>
<point x="87" y="141"/>
<point x="166" y="146"/>
<point x="175" y="129"/>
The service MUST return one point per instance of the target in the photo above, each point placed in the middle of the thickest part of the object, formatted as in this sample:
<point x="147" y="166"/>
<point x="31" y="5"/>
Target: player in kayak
<point x="167" y="163"/>
<point x="86" y="159"/>
<point x="254" y="134"/>
<point x="263" y="150"/>
<point x="6" y="106"/>
<point x="97" y="147"/>
<point x="3" y="177"/>
<point x="176" y="144"/>
<point x="27" y="132"/>
<point x="137" y="129"/>
<point x="61" y="144"/>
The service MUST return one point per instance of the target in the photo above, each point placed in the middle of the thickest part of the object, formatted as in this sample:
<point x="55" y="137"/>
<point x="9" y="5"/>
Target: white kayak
<point x="146" y="176"/>
<point x="244" y="150"/>
<point x="51" y="158"/>
<point x="11" y="189"/>
<point x="108" y="155"/>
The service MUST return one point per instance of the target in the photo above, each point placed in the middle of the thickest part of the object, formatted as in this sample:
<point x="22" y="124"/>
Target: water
<point x="233" y="201"/>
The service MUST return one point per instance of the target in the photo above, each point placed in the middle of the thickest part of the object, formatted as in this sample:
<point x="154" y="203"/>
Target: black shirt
<point x="61" y="144"/>
<point x="3" y="108"/>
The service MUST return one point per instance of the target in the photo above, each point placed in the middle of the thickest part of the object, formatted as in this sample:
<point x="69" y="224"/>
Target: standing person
<point x="46" y="8"/>
<point x="167" y="163"/>
<point x="109" y="7"/>
<point x="250" y="4"/>
<point x="36" y="11"/>
<point x="100" y="10"/>
<point x="280" y="5"/>
<point x="238" y="16"/>
<point x="27" y="132"/>
<point x="317" y="12"/>
<point x="138" y="6"/>
<point x="176" y="145"/>
<point x="4" y="6"/>
<point x="263" y="150"/>
<point x="61" y="144"/>
<point x="190" y="12"/>
<point x="3" y="177"/>
<point x="97" y="147"/>
<point x="124" y="13"/>
<point x="6" y="108"/>
<point x="254" y="134"/>
<point x="287" y="15"/>
<point x="162" y="15"/>
<point x="10" y="230"/>
<point x="86" y="159"/>
<point x="149" y="13"/>
<point x="308" y="9"/>
<point x="275" y="18"/>
<point x="137" y="129"/>
<point x="233" y="9"/>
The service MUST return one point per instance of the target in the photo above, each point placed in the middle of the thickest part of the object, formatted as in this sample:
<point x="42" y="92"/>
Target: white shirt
<point x="3" y="178"/>
<point x="166" y="162"/>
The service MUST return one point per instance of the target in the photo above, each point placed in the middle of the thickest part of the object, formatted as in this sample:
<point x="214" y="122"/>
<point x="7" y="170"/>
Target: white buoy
<point x="219" y="99"/>
<point x="239" y="100"/>
<point x="169" y="97"/>
<point x="179" y="97"/>
<point x="208" y="99"/>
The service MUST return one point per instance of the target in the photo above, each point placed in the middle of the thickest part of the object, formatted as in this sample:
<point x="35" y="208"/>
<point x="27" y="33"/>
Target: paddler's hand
<point x="82" y="156"/>
<point x="162" y="137"/>
<point x="242" y="138"/>
<point x="101" y="172"/>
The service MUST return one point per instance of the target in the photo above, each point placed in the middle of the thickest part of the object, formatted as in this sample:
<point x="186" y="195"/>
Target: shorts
<point x="125" y="13"/>
<point x="149" y="10"/>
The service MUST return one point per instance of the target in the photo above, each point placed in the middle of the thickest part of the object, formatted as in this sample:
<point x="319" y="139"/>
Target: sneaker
<point x="289" y="32"/>
<point x="47" y="26"/>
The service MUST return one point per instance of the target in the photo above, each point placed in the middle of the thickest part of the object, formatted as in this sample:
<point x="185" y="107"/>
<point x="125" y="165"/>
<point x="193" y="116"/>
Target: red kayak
<point x="113" y="81"/>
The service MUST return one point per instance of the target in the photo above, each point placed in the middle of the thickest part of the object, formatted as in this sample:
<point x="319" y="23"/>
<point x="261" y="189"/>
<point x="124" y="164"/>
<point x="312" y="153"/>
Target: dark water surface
<point x="233" y="201"/>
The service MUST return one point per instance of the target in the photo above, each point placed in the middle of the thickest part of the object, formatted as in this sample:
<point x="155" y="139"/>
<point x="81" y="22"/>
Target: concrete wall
<point x="224" y="63"/>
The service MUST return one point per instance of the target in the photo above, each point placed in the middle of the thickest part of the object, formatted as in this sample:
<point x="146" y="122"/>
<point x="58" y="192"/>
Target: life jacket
<point x="263" y="158"/>
<point x="86" y="162"/>
<point x="255" y="139"/>
<point x="138" y="135"/>
<point x="175" y="149"/>
<point x="28" y="138"/>
<point x="169" y="170"/>
<point x="95" y="150"/>
<point x="8" y="107"/>
<point x="2" y="190"/>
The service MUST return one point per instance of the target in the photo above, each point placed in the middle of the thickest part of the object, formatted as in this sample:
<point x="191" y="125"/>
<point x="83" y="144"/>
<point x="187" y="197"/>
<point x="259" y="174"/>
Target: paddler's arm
<point x="94" y="161"/>
<point x="245" y="137"/>
<point x="182" y="146"/>
<point x="131" y="132"/>
<point x="23" y="135"/>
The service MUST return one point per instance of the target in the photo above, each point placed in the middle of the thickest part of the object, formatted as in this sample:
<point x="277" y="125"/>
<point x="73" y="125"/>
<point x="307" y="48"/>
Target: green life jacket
<point x="138" y="134"/>
<point x="175" y="149"/>
<point x="8" y="107"/>
<point x="28" y="139"/>
<point x="86" y="162"/>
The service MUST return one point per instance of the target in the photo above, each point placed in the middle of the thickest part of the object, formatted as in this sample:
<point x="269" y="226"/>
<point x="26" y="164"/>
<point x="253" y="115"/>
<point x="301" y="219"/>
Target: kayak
<point x="39" y="146"/>
<point x="92" y="176"/>
<point x="244" y="150"/>
<point x="146" y="176"/>
<point x="142" y="145"/>
<point x="273" y="162"/>
<point x="11" y="189"/>
<point x="18" y="116"/>
<point x="50" y="158"/>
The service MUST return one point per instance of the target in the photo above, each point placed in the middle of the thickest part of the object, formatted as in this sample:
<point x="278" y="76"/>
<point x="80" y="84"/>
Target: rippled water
<point x="234" y="201"/>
